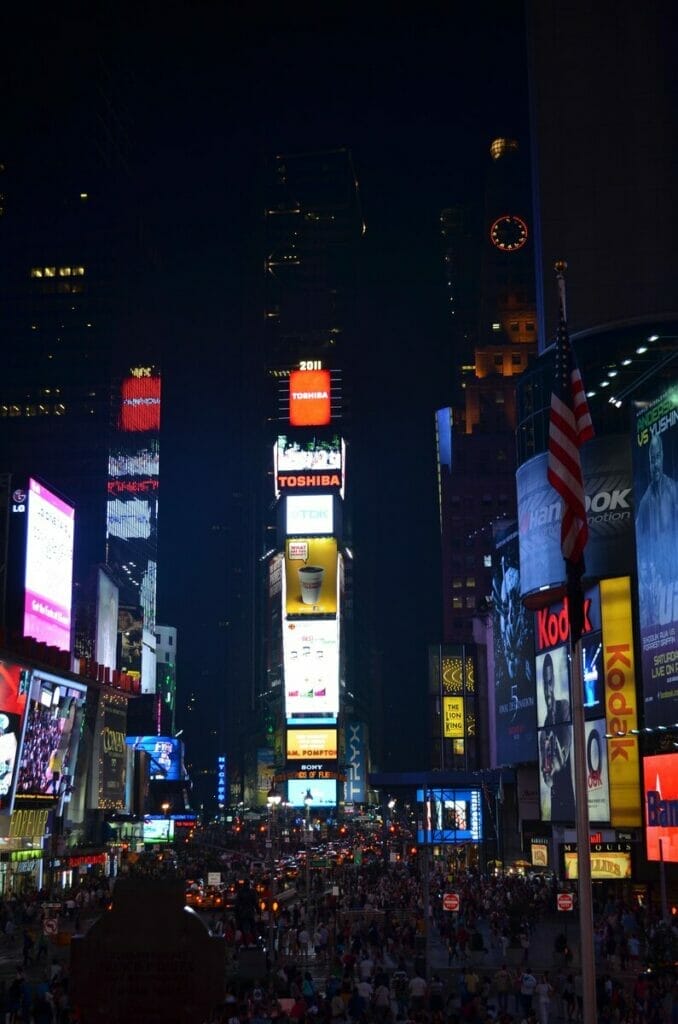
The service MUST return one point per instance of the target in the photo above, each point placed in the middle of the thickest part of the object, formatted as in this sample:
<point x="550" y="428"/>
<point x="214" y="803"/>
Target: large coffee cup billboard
<point x="311" y="576"/>
<point x="606" y="465"/>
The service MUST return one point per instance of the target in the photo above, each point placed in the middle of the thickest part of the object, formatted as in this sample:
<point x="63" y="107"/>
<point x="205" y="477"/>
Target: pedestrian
<point x="503" y="984"/>
<point x="543" y="993"/>
<point x="528" y="984"/>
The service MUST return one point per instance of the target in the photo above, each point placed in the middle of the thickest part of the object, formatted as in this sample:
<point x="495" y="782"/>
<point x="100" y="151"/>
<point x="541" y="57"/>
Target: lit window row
<point x="57" y="271"/>
<point x="32" y="410"/>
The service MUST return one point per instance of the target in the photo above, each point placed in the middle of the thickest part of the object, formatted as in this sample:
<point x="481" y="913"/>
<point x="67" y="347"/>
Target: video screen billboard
<point x="48" y="583"/>
<point x="14" y="686"/>
<point x="131" y="631"/>
<point x="311" y="577"/>
<point x="311" y="666"/>
<point x="593" y="674"/>
<point x="660" y="774"/>
<point x="165" y="756"/>
<point x="51" y="738"/>
<point x="311" y="743"/>
<point x="158" y="830"/>
<point x="105" y="650"/>
<point x="113" y="750"/>
<point x="292" y="454"/>
<point x="323" y="791"/>
<point x="450" y="816"/>
<point x="515" y="711"/>
<point x="310" y="400"/>
<point x="655" y="483"/>
<point x="140" y="405"/>
<point x="309" y="514"/>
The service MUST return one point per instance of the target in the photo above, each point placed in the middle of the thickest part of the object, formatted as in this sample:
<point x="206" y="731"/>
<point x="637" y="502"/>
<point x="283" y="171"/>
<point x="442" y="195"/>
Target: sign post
<point x="451" y="901"/>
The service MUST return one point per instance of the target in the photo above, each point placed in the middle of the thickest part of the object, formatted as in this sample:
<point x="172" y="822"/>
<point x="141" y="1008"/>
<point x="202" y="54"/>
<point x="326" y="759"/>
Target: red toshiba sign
<point x="140" y="403"/>
<point x="310" y="398"/>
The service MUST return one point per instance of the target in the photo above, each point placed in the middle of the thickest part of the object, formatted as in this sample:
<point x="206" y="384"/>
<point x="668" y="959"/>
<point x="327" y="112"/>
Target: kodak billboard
<point x="621" y="705"/>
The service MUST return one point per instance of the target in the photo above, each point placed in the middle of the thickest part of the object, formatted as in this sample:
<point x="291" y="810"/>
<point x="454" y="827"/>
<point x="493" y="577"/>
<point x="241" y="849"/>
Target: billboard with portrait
<point x="316" y="744"/>
<point x="48" y="594"/>
<point x="14" y="686"/>
<point x="606" y="465"/>
<point x="554" y="715"/>
<point x="660" y="774"/>
<point x="309" y="514"/>
<point x="311" y="666"/>
<point x="49" y="751"/>
<point x="514" y="699"/>
<point x="450" y="816"/>
<point x="655" y="482"/>
<point x="165" y="756"/>
<point x="311" y="577"/>
<point x="323" y="791"/>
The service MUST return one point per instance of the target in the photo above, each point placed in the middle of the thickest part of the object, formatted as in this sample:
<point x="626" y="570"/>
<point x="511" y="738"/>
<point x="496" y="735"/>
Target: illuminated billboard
<point x="453" y="717"/>
<point x="158" y="829"/>
<point x="323" y="791"/>
<point x="450" y="816"/>
<point x="165" y="756"/>
<point x="597" y="783"/>
<point x="51" y="739"/>
<point x="14" y="684"/>
<point x="609" y="861"/>
<point x="265" y="774"/>
<point x="140" y="402"/>
<point x="105" y="650"/>
<point x="514" y="699"/>
<point x="310" y="402"/>
<point x="131" y="630"/>
<point x="112" y="760"/>
<point x="49" y="567"/>
<point x="297" y="455"/>
<point x="309" y="514"/>
<point x="311" y="577"/>
<point x="554" y="715"/>
<point x="621" y="707"/>
<point x="311" y="743"/>
<point x="660" y="774"/>
<point x="655" y="481"/>
<point x="311" y="666"/>
<point x="356" y="754"/>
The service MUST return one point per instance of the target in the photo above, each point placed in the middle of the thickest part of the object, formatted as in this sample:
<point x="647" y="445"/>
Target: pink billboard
<point x="49" y="568"/>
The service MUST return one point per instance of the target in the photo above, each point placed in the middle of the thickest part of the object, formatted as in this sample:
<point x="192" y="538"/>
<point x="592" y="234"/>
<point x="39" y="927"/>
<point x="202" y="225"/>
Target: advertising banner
<point x="311" y="577"/>
<point x="165" y="756"/>
<point x="309" y="514"/>
<point x="356" y="762"/>
<point x="265" y="773"/>
<point x="315" y="744"/>
<point x="51" y="739"/>
<point x="450" y="816"/>
<point x="311" y="666"/>
<point x="14" y="685"/>
<point x="597" y="784"/>
<point x="515" y="711"/>
<point x="158" y="830"/>
<point x="49" y="567"/>
<point x="453" y="717"/>
<point x="310" y="404"/>
<point x="660" y="774"/>
<point x="539" y="853"/>
<point x="621" y="708"/>
<point x="301" y="455"/>
<point x="105" y="650"/>
<point x="606" y="465"/>
<point x="655" y="475"/>
<point x="608" y="861"/>
<point x="131" y="630"/>
<point x="527" y="787"/>
<point x="554" y="714"/>
<point x="112" y="753"/>
<point x="323" y="791"/>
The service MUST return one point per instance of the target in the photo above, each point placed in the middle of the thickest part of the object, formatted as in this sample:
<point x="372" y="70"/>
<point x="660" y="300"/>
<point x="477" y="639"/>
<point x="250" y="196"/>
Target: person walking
<point x="543" y="993"/>
<point x="528" y="984"/>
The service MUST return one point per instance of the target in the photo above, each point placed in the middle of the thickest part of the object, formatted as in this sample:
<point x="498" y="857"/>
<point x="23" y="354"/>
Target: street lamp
<point x="273" y="799"/>
<point x="308" y="800"/>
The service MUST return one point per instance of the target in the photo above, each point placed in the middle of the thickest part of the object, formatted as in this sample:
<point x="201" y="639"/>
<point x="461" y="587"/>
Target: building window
<point x="516" y="359"/>
<point x="170" y="640"/>
<point x="515" y="326"/>
<point x="470" y="582"/>
<point x="457" y="583"/>
<point x="498" y="359"/>
<point x="529" y="326"/>
<point x="470" y="601"/>
<point x="457" y="602"/>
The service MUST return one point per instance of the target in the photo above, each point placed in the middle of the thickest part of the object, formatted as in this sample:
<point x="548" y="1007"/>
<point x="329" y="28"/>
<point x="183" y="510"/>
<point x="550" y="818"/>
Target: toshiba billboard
<point x="310" y="404"/>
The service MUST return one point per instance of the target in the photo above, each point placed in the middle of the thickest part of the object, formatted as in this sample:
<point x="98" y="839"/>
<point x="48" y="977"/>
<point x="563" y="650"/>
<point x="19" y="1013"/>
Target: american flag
<point x="569" y="427"/>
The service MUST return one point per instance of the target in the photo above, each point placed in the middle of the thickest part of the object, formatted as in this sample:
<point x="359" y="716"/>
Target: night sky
<point x="209" y="93"/>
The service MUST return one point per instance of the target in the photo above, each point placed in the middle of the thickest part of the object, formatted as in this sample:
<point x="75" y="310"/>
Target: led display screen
<point x="309" y="514"/>
<point x="450" y="816"/>
<point x="661" y="807"/>
<point x="594" y="677"/>
<point x="323" y="791"/>
<point x="294" y="455"/>
<point x="49" y="568"/>
<point x="51" y="738"/>
<point x="310" y="404"/>
<point x="311" y="666"/>
<point x="140" y="407"/>
<point x="311" y="577"/>
<point x="14" y="684"/>
<point x="105" y="650"/>
<point x="158" y="830"/>
<point x="556" y="766"/>
<point x="311" y="743"/>
<point x="165" y="756"/>
<point x="655" y="484"/>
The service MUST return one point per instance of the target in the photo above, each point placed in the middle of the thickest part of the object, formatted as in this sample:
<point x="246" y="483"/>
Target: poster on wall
<point x="556" y="768"/>
<point x="112" y="753"/>
<point x="597" y="783"/>
<point x="655" y="481"/>
<point x="513" y="659"/>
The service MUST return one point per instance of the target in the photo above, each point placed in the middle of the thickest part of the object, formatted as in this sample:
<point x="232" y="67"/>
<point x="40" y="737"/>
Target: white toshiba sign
<point x="309" y="514"/>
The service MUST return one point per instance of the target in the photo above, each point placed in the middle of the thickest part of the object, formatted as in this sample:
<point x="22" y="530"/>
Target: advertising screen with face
<point x="49" y="568"/>
<point x="14" y="684"/>
<point x="311" y="667"/>
<point x="165" y="756"/>
<point x="311" y="577"/>
<point x="323" y="791"/>
<point x="311" y="743"/>
<point x="309" y="514"/>
<point x="51" y="739"/>
<point x="554" y="717"/>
